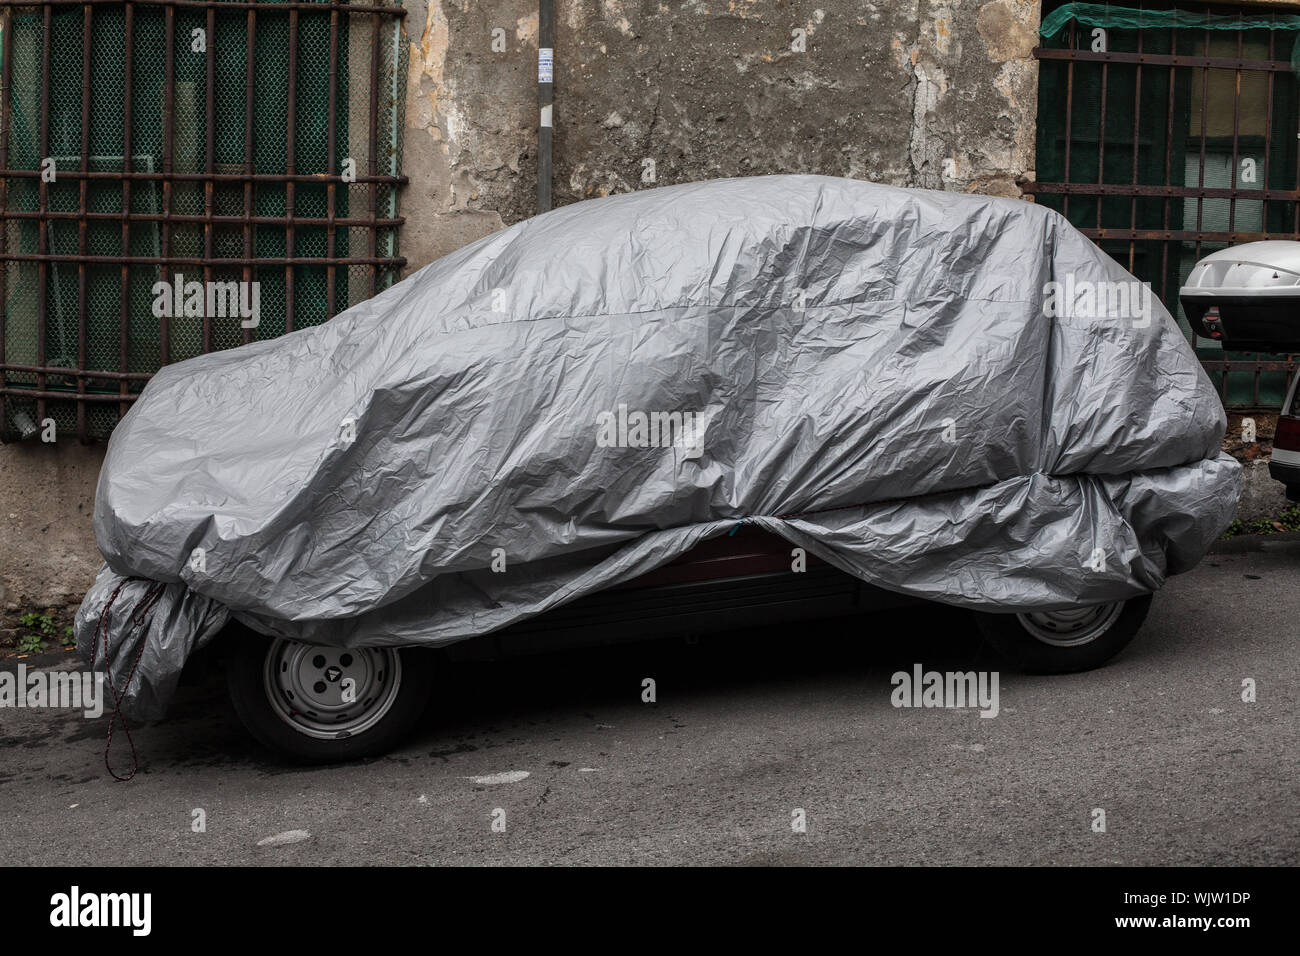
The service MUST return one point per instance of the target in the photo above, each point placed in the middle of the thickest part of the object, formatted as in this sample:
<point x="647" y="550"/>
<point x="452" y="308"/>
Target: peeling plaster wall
<point x="469" y="123"/>
<point x="932" y="93"/>
<point x="48" y="557"/>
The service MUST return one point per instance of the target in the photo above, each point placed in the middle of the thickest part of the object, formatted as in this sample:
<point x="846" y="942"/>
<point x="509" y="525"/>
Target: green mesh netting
<point x="1104" y="15"/>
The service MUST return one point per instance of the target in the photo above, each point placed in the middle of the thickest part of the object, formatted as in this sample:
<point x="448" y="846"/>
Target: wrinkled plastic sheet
<point x="880" y="378"/>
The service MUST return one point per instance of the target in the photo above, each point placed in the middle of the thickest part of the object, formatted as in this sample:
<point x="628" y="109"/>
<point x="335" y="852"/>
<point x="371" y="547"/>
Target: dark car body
<point x="745" y="578"/>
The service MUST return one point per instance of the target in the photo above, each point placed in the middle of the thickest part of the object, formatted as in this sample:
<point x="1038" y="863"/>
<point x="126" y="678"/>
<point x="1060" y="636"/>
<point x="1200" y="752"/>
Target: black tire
<point x="1015" y="640"/>
<point x="250" y="691"/>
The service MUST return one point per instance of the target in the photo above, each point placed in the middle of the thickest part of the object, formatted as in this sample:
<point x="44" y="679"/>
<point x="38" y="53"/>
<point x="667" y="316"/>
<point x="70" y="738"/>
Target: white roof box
<point x="1247" y="296"/>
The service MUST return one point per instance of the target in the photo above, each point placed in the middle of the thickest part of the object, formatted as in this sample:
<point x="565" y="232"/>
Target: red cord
<point x="137" y="619"/>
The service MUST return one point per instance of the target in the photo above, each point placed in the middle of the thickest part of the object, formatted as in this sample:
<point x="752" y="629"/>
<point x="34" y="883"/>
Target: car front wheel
<point x="317" y="704"/>
<point x="1064" y="641"/>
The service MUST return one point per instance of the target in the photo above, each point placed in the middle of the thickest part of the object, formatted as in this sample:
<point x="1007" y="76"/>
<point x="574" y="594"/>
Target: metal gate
<point x="1165" y="135"/>
<point x="209" y="144"/>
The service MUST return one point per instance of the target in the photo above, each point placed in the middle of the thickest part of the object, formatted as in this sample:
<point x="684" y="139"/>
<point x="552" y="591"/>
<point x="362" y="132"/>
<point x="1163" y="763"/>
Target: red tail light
<point x="1287" y="436"/>
<point x="1212" y="322"/>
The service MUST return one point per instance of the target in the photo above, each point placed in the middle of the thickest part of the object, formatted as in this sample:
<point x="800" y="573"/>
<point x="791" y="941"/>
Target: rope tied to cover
<point x="137" y="619"/>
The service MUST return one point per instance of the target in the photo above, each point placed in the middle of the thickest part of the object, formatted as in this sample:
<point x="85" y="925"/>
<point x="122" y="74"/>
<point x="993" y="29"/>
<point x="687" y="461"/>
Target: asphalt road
<point x="746" y="729"/>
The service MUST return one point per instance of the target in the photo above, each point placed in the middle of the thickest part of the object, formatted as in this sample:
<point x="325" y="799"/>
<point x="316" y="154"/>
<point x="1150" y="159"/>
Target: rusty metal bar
<point x="373" y="164"/>
<point x="1163" y="59"/>
<point x="1205" y="105"/>
<point x="1069" y="115"/>
<point x="82" y="207"/>
<point x="390" y="262"/>
<point x="1256" y="370"/>
<point x="231" y="220"/>
<point x="1218" y="365"/>
<point x="1155" y="192"/>
<point x="6" y="120"/>
<point x="218" y="177"/>
<point x="1296" y="226"/>
<point x="331" y="162"/>
<point x="1101" y="137"/>
<point x="169" y="105"/>
<point x="42" y="394"/>
<point x="290" y="144"/>
<point x="1137" y="149"/>
<point x="42" y="228"/>
<point x="1169" y="163"/>
<point x="269" y="5"/>
<point x="1236" y="124"/>
<point x="124" y="306"/>
<point x="56" y="370"/>
<point x="1268" y="132"/>
<point x="1183" y="235"/>
<point x="209" y="159"/>
<point x="250" y="55"/>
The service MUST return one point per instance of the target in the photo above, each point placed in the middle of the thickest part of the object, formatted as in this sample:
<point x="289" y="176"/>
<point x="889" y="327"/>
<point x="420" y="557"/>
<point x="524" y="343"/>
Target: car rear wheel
<point x="317" y="704"/>
<point x="1063" y="641"/>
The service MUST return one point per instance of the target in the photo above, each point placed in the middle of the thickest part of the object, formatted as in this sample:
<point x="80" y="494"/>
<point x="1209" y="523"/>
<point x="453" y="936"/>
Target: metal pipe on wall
<point x="545" y="98"/>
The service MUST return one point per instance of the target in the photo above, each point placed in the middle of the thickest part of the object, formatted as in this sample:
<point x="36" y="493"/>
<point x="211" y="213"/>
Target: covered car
<point x="943" y="395"/>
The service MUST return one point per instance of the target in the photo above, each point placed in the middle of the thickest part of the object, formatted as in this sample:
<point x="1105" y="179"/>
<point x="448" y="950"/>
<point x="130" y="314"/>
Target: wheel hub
<point x="1071" y="627"/>
<point x="329" y="692"/>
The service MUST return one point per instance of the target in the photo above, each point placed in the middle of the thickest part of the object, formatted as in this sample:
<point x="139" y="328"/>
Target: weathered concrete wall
<point x="1262" y="497"/>
<point x="932" y="93"/>
<point x="470" y="123"/>
<point x="48" y="556"/>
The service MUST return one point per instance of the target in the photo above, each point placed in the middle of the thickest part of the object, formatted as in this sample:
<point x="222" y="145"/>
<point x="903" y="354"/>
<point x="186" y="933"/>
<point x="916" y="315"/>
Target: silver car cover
<point x="949" y="396"/>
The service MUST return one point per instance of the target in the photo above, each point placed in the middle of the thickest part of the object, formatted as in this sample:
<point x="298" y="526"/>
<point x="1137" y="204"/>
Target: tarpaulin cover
<point x="879" y="375"/>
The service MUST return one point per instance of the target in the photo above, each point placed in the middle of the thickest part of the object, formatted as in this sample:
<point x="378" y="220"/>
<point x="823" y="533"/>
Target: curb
<point x="1284" y="541"/>
<point x="38" y="660"/>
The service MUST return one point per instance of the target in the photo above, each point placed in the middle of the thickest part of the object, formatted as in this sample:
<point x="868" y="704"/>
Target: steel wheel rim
<point x="305" y="684"/>
<point x="1072" y="627"/>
